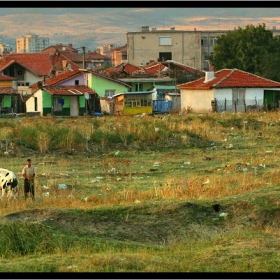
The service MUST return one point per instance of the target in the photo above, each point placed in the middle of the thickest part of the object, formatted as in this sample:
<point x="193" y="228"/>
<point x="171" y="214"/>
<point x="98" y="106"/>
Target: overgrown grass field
<point x="165" y="193"/>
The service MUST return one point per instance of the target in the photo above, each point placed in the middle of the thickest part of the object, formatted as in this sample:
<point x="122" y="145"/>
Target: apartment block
<point x="31" y="44"/>
<point x="4" y="48"/>
<point x="191" y="48"/>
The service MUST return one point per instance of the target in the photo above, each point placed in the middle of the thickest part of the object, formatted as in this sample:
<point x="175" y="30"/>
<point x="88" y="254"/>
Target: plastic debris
<point x="223" y="214"/>
<point x="206" y="182"/>
<point x="187" y="162"/>
<point x="62" y="186"/>
<point x="117" y="153"/>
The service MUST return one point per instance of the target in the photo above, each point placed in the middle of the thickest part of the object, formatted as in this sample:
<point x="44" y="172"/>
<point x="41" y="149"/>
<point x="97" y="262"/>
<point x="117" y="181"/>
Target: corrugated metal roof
<point x="135" y="93"/>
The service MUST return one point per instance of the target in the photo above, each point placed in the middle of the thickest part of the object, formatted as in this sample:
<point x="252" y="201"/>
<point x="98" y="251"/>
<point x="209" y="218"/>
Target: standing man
<point x="28" y="173"/>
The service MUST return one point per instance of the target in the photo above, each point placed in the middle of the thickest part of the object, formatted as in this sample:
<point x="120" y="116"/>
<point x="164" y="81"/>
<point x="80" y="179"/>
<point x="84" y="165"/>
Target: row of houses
<point x="55" y="82"/>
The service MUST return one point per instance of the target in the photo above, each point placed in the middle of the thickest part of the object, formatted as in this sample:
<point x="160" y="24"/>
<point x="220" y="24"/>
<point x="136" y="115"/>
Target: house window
<point x="213" y="41"/>
<point x="138" y="101"/>
<point x="165" y="41"/>
<point x="238" y="96"/>
<point x="110" y="92"/>
<point x="139" y="87"/>
<point x="204" y="41"/>
<point x="76" y="82"/>
<point x="58" y="104"/>
<point x="35" y="104"/>
<point x="163" y="56"/>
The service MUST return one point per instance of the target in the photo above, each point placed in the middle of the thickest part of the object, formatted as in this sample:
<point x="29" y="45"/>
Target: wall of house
<point x="6" y="83"/>
<point x="99" y="85"/>
<point x="31" y="78"/>
<point x="71" y="82"/>
<point x="144" y="46"/>
<point x="253" y="96"/>
<point x="198" y="100"/>
<point x="30" y="103"/>
<point x="6" y="101"/>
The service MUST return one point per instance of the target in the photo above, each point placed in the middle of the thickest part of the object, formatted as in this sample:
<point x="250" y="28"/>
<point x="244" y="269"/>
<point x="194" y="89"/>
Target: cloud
<point x="144" y="10"/>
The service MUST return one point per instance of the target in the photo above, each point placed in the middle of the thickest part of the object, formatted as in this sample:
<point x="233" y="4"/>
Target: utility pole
<point x="84" y="57"/>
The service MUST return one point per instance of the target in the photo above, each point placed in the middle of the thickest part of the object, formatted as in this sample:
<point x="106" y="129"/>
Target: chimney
<point x="71" y="46"/>
<point x="145" y="29"/>
<point x="209" y="76"/>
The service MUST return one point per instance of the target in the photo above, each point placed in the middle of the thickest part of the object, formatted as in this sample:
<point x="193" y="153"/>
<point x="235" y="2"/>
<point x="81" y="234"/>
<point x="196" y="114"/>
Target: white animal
<point x="8" y="184"/>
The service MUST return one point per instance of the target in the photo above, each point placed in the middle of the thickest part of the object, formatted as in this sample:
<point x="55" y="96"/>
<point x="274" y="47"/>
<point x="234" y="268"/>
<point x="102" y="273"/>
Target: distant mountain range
<point x="91" y="27"/>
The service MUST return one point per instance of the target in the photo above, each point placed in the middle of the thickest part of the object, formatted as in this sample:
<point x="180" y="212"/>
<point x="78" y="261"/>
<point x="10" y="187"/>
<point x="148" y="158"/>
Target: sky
<point x="100" y="25"/>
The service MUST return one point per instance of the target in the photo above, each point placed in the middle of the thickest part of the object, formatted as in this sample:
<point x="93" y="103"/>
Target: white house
<point x="229" y="90"/>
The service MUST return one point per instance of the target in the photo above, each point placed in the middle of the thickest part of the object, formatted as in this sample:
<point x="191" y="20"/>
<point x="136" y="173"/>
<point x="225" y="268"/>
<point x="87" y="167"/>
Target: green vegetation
<point x="136" y="194"/>
<point x="252" y="49"/>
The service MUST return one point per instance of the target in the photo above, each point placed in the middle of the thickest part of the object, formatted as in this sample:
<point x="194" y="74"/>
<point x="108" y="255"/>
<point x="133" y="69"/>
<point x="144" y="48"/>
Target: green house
<point x="106" y="86"/>
<point x="69" y="101"/>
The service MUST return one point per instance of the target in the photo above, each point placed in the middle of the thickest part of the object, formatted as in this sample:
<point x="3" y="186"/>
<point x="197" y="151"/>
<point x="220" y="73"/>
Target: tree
<point x="252" y="49"/>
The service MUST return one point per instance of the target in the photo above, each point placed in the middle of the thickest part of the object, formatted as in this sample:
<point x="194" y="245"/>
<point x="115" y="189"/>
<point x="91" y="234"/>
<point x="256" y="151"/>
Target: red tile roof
<point x="72" y="56"/>
<point x="60" y="47"/>
<point x="5" y="64"/>
<point x="69" y="90"/>
<point x="8" y="90"/>
<point x="58" y="79"/>
<point x="38" y="63"/>
<point x="231" y="78"/>
<point x="57" y="62"/>
<point x="7" y="78"/>
<point x="154" y="68"/>
<point x="95" y="55"/>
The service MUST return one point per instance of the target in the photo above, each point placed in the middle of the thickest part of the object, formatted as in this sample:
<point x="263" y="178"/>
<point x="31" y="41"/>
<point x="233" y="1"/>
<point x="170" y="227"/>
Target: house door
<point x="74" y="106"/>
<point x="271" y="99"/>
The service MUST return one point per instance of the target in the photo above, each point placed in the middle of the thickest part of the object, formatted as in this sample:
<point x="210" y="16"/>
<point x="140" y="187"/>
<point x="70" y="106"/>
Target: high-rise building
<point x="4" y="48"/>
<point x="31" y="43"/>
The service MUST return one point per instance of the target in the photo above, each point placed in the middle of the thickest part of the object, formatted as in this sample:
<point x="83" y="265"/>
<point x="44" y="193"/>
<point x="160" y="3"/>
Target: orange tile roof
<point x="231" y="78"/>
<point x="95" y="55"/>
<point x="57" y="59"/>
<point x="69" y="90"/>
<point x="154" y="68"/>
<point x="38" y="63"/>
<point x="5" y="64"/>
<point x="60" y="47"/>
<point x="8" y="90"/>
<point x="58" y="79"/>
<point x="127" y="67"/>
<point x="7" y="78"/>
<point x="72" y="56"/>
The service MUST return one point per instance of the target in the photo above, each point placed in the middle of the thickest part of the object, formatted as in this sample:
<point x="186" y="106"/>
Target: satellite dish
<point x="86" y="95"/>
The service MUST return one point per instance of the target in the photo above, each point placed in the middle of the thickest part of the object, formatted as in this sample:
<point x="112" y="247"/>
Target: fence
<point x="247" y="105"/>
